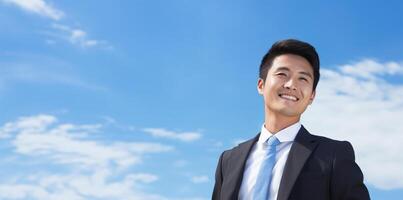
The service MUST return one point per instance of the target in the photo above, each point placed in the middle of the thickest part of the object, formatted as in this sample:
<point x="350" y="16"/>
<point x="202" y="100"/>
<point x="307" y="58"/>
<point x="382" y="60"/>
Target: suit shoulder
<point x="338" y="147"/>
<point x="227" y="153"/>
<point x="330" y="141"/>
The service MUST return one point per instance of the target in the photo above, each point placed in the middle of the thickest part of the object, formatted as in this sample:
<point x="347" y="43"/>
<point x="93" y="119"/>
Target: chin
<point x="290" y="113"/>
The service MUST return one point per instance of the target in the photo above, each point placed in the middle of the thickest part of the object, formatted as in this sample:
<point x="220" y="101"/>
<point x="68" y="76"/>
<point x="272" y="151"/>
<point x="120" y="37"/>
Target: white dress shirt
<point x="255" y="158"/>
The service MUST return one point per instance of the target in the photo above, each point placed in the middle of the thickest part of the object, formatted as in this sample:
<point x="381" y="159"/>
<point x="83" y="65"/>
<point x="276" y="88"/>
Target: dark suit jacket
<point x="316" y="168"/>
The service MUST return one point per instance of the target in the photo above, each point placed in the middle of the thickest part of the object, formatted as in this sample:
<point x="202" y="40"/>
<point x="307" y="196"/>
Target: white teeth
<point x="289" y="97"/>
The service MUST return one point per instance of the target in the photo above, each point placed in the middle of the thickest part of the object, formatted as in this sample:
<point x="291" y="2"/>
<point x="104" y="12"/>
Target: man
<point x="284" y="161"/>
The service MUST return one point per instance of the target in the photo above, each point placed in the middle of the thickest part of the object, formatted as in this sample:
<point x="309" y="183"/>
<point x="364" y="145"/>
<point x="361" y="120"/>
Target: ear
<point x="312" y="97"/>
<point x="260" y="86"/>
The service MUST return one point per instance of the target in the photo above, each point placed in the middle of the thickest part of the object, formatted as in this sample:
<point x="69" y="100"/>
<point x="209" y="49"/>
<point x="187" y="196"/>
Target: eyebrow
<point x="301" y="72"/>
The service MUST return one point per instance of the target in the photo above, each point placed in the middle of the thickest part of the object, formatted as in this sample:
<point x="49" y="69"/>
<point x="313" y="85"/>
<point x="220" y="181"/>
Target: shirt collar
<point x="285" y="135"/>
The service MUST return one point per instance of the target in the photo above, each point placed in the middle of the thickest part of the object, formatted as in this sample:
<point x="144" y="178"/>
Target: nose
<point x="290" y="84"/>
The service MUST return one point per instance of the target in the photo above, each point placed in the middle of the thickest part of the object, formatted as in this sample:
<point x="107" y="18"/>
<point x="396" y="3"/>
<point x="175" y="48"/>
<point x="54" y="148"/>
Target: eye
<point x="303" y="79"/>
<point x="281" y="74"/>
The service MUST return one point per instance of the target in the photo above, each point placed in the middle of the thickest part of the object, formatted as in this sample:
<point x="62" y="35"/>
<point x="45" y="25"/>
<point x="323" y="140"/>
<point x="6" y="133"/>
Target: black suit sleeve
<point x="347" y="178"/>
<point x="218" y="179"/>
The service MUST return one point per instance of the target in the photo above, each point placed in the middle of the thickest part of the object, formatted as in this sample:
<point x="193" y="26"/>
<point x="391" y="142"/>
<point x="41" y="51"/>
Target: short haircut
<point x="291" y="46"/>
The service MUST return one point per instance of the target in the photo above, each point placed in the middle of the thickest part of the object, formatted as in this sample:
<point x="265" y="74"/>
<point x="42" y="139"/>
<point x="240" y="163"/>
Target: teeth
<point x="289" y="97"/>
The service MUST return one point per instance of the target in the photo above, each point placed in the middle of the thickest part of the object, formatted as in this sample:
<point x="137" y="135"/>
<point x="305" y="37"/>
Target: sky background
<point x="112" y="100"/>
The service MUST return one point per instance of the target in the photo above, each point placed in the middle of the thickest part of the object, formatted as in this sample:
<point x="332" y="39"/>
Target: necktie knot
<point x="272" y="141"/>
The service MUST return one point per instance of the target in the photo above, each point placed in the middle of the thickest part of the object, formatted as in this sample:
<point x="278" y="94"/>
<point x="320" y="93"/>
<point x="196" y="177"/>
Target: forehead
<point x="292" y="62"/>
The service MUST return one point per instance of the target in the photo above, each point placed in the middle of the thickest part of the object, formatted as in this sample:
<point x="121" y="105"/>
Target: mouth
<point x="288" y="97"/>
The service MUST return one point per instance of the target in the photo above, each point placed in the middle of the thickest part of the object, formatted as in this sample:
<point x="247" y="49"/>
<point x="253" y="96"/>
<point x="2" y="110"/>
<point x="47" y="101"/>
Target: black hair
<point x="291" y="46"/>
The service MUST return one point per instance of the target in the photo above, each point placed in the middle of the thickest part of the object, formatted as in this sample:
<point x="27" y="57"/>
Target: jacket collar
<point x="236" y="162"/>
<point x="300" y="151"/>
<point x="304" y="144"/>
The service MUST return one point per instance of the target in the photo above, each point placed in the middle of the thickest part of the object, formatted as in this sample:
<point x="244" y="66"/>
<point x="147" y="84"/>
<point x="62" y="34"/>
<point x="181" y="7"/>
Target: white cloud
<point x="35" y="136"/>
<point x="76" y="187"/>
<point x="200" y="179"/>
<point x="38" y="7"/>
<point x="143" y="177"/>
<point x="38" y="123"/>
<point x="77" y="36"/>
<point x="356" y="103"/>
<point x="370" y="69"/>
<point x="162" y="133"/>
<point x="96" y="168"/>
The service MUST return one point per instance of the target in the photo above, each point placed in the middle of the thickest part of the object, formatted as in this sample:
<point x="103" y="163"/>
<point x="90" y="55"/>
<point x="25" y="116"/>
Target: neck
<point x="275" y="122"/>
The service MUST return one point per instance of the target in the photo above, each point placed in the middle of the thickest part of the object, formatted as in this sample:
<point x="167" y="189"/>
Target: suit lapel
<point x="300" y="151"/>
<point x="236" y="164"/>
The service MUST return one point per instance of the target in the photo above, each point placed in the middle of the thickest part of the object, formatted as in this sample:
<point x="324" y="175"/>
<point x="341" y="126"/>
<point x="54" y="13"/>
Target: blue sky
<point x="137" y="99"/>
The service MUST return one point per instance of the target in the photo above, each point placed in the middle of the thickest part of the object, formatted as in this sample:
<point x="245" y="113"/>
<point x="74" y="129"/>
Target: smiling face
<point x="288" y="88"/>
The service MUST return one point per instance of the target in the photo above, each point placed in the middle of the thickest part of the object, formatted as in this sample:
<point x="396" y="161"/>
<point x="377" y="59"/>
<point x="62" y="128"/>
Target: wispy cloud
<point x="180" y="163"/>
<point x="143" y="177"/>
<point x="355" y="102"/>
<point x="200" y="179"/>
<point x="78" y="36"/>
<point x="33" y="70"/>
<point x="93" y="167"/>
<point x="39" y="7"/>
<point x="238" y="141"/>
<point x="182" y="136"/>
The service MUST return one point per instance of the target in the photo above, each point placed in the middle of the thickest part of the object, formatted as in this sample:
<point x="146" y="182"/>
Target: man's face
<point x="288" y="88"/>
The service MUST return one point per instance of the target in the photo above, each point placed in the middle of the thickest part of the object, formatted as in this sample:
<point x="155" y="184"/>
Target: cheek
<point x="307" y="93"/>
<point x="270" y="91"/>
<point x="268" y="94"/>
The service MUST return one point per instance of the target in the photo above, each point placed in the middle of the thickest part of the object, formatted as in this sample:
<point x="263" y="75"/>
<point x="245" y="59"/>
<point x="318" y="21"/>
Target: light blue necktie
<point x="262" y="186"/>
